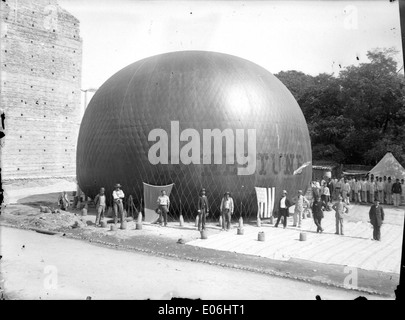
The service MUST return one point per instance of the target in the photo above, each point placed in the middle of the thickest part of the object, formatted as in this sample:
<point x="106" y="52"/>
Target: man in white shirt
<point x="299" y="208"/>
<point x="380" y="190"/>
<point x="163" y="202"/>
<point x="100" y="203"/>
<point x="283" y="206"/>
<point x="357" y="190"/>
<point x="388" y="191"/>
<point x="326" y="196"/>
<point x="346" y="191"/>
<point x="226" y="209"/>
<point x="118" y="205"/>
<point x="363" y="190"/>
<point x="372" y="187"/>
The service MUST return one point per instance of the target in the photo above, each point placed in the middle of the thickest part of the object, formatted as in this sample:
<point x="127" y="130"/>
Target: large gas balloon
<point x="199" y="120"/>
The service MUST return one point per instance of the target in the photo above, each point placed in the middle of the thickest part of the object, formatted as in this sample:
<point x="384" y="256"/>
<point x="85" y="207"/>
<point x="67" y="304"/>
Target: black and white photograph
<point x="201" y="150"/>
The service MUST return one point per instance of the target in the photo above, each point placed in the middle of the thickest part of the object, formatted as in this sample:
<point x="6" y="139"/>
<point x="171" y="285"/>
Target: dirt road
<point x="38" y="266"/>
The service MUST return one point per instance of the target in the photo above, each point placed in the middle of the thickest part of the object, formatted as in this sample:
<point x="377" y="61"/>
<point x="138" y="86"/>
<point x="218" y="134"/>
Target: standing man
<point x="118" y="205"/>
<point x="325" y="197"/>
<point x="352" y="182"/>
<point x="380" y="190"/>
<point x="396" y="192"/>
<point x="357" y="190"/>
<point x="376" y="219"/>
<point x="316" y="188"/>
<point x="100" y="203"/>
<point x="163" y="202"/>
<point x="63" y="201"/>
<point x="372" y="190"/>
<point x="283" y="206"/>
<point x="339" y="185"/>
<point x="368" y="189"/>
<point x="299" y="209"/>
<point x="385" y="191"/>
<point x="203" y="210"/>
<point x="363" y="190"/>
<point x="333" y="189"/>
<point x="346" y="191"/>
<point x="330" y="186"/>
<point x="375" y="187"/>
<point x="403" y="191"/>
<point x="317" y="212"/>
<point x="388" y="190"/>
<point x="226" y="210"/>
<point x="340" y="207"/>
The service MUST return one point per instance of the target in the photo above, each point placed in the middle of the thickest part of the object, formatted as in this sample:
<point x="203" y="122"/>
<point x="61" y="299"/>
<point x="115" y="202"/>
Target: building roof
<point x="324" y="165"/>
<point x="355" y="172"/>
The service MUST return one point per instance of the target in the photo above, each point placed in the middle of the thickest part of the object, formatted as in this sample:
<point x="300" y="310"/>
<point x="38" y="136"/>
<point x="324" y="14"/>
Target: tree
<point x="296" y="81"/>
<point x="357" y="116"/>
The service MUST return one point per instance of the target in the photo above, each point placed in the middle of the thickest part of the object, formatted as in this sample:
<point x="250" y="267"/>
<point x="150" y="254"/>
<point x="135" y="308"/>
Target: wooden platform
<point x="355" y="248"/>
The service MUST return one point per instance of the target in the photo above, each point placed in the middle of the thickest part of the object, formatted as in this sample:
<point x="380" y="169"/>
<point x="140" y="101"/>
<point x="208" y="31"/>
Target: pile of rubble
<point x="47" y="218"/>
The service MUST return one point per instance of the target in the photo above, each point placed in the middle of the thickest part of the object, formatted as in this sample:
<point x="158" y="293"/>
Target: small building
<point x="355" y="171"/>
<point x="321" y="169"/>
<point x="348" y="173"/>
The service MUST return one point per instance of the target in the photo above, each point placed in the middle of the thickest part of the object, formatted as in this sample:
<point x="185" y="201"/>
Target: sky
<point x="308" y="36"/>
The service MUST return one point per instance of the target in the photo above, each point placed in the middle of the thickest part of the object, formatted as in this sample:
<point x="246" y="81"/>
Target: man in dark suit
<point x="283" y="206"/>
<point x="317" y="212"/>
<point x="203" y="210"/>
<point x="376" y="219"/>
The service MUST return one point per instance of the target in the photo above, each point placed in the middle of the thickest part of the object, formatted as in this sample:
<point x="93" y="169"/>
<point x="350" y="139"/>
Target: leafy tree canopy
<point x="356" y="116"/>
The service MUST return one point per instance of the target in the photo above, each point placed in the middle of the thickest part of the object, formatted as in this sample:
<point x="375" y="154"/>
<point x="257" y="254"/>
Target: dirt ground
<point x="35" y="267"/>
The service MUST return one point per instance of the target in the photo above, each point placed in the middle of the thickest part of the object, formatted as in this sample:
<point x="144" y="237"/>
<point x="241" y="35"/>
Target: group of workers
<point x="226" y="209"/>
<point x="163" y="205"/>
<point x="341" y="191"/>
<point x="362" y="190"/>
<point x="319" y="205"/>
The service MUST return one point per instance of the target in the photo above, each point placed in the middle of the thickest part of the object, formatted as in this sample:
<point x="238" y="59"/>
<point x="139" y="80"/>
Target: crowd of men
<point x="163" y="206"/>
<point x="387" y="190"/>
<point x="328" y="194"/>
<point x="319" y="205"/>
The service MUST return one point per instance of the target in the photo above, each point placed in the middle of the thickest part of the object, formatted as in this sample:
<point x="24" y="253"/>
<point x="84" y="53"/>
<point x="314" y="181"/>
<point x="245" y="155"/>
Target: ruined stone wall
<point x="41" y="53"/>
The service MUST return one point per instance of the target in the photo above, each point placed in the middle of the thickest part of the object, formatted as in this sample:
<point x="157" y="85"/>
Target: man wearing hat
<point x="283" y="206"/>
<point x="118" y="205"/>
<point x="299" y="209"/>
<point x="100" y="202"/>
<point x="317" y="212"/>
<point x="376" y="215"/>
<point x="226" y="209"/>
<point x="203" y="210"/>
<point x="340" y="208"/>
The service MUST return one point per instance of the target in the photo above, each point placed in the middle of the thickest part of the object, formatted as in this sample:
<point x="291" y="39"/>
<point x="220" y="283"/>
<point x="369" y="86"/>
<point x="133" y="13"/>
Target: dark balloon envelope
<point x="197" y="90"/>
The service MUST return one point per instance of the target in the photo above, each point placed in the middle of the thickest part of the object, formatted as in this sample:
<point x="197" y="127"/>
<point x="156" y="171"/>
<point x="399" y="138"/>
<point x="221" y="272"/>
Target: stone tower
<point x="41" y="54"/>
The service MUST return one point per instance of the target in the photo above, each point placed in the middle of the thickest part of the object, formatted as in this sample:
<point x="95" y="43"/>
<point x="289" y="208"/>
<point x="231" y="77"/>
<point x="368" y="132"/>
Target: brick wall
<point x="41" y="53"/>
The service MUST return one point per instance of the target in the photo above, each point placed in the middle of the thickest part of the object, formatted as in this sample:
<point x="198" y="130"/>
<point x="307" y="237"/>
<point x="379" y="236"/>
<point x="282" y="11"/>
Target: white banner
<point x="150" y="195"/>
<point x="271" y="194"/>
<point x="265" y="201"/>
<point x="261" y="194"/>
